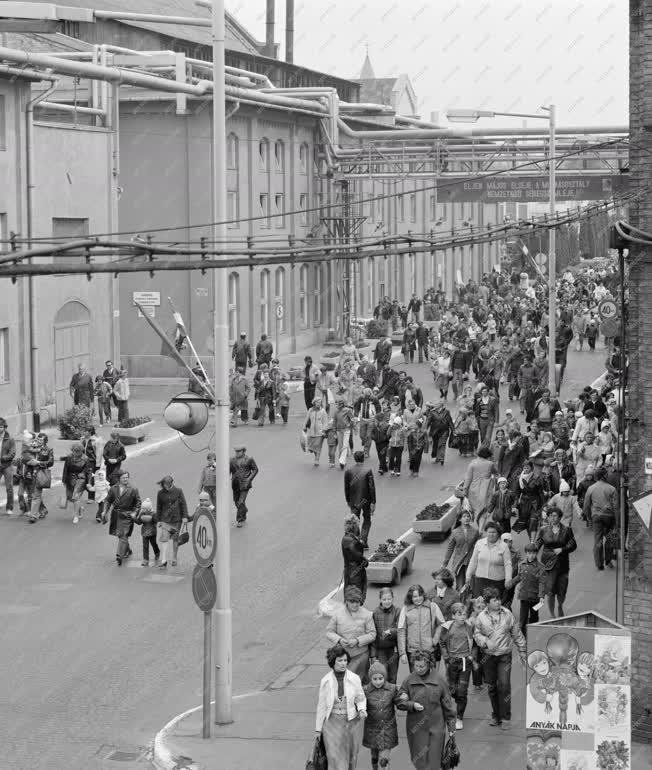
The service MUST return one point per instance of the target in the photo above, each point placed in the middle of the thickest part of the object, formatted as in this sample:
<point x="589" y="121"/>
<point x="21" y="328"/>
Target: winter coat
<point x="7" y="451"/>
<point x="171" y="507"/>
<point x="418" y="627"/>
<point x="440" y="422"/>
<point x="460" y="547"/>
<point x="380" y="729"/>
<point x="316" y="423"/>
<point x="548" y="540"/>
<point x="359" y="487"/>
<point x="122" y="505"/>
<point x="496" y="639"/>
<point x="385" y="620"/>
<point x="531" y="578"/>
<point x="113" y="450"/>
<point x="241" y="353"/>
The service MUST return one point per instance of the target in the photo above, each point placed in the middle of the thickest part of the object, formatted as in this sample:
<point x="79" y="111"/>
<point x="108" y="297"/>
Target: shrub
<point x="73" y="422"/>
<point x="134" y="422"/>
<point x="376" y="329"/>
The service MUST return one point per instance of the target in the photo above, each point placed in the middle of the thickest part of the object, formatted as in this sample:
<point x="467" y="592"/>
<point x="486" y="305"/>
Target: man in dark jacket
<point x="440" y="425"/>
<point x="82" y="388"/>
<point x="423" y="336"/>
<point x="7" y="457"/>
<point x="380" y="437"/>
<point x="383" y="352"/>
<point x="264" y="351"/>
<point x="241" y="353"/>
<point x="414" y="305"/>
<point x="111" y="375"/>
<point x="123" y="507"/>
<point x="243" y="470"/>
<point x="364" y="410"/>
<point x="360" y="494"/>
<point x="511" y="459"/>
<point x="171" y="512"/>
<point x="486" y="413"/>
<point x="460" y="362"/>
<point x="114" y="455"/>
<point x="367" y="372"/>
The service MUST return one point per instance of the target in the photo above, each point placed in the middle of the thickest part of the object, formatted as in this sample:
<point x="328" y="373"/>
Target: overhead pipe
<point x="5" y="69"/>
<point x="99" y="72"/>
<point x="73" y="108"/>
<point x="190" y="21"/>
<point x="251" y="75"/>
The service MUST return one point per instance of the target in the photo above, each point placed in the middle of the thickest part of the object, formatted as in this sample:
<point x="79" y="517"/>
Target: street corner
<point x="168" y="749"/>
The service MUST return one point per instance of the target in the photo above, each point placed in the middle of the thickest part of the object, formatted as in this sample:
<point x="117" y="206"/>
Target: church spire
<point x="367" y="72"/>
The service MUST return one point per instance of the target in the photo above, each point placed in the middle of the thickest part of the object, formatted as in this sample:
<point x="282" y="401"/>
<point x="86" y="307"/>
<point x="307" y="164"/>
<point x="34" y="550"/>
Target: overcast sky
<point x="505" y="55"/>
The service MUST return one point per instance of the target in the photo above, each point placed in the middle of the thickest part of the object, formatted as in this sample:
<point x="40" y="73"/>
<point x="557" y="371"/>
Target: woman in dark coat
<point x="427" y="699"/>
<point x="511" y="458"/>
<point x="114" y="455"/>
<point x="76" y="475"/>
<point x="123" y="506"/>
<point x="529" y="501"/>
<point x="501" y="506"/>
<point x="355" y="564"/>
<point x="440" y="426"/>
<point x="557" y="542"/>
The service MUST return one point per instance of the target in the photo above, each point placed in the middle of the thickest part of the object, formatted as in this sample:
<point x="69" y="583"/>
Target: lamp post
<point x="472" y="116"/>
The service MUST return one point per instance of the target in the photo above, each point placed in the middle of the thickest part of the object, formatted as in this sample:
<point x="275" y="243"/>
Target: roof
<point x="377" y="90"/>
<point x="237" y="37"/>
<point x="367" y="72"/>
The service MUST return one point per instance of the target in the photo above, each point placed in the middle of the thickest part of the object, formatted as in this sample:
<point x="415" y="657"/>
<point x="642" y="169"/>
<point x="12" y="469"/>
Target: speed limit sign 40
<point x="204" y="538"/>
<point x="607" y="309"/>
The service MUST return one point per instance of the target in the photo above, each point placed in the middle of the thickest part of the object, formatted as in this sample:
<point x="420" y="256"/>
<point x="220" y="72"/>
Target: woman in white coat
<point x="341" y="711"/>
<point x="315" y="428"/>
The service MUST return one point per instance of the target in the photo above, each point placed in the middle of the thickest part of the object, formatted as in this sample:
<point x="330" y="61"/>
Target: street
<point x="97" y="658"/>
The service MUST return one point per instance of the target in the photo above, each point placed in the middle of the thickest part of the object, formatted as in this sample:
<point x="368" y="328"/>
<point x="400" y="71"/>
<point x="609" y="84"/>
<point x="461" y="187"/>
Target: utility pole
<point x="552" y="262"/>
<point x="223" y="635"/>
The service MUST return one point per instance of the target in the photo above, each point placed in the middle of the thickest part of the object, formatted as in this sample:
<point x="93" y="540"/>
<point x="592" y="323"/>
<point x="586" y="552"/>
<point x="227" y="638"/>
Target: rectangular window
<point x="303" y="158"/>
<point x="401" y="208"/>
<point x="3" y="123"/>
<point x="69" y="229"/>
<point x="232" y="210"/>
<point x="303" y="207"/>
<point x="263" y="201"/>
<point x="263" y="152"/>
<point x="433" y="208"/>
<point x="232" y="151"/>
<point x="413" y="207"/>
<point x="442" y="211"/>
<point x="4" y="356"/>
<point x="279" y="210"/>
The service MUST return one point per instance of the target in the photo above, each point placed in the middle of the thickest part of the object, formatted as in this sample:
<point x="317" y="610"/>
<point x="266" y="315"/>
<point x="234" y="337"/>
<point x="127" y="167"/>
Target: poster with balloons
<point x="578" y="695"/>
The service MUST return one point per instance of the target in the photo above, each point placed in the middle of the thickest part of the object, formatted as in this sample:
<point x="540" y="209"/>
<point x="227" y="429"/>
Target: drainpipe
<point x="289" y="31"/>
<point x="29" y="200"/>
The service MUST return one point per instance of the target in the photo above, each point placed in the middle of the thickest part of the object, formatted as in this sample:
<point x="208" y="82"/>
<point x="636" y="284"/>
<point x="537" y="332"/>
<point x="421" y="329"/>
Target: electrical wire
<point x="338" y="205"/>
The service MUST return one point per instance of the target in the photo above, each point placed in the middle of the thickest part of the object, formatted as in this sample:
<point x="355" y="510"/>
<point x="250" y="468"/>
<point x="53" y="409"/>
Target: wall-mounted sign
<point x="147" y="298"/>
<point x="201" y="291"/>
<point x="150" y="310"/>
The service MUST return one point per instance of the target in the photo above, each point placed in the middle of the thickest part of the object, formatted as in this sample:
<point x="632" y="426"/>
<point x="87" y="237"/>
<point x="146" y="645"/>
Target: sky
<point x="501" y="55"/>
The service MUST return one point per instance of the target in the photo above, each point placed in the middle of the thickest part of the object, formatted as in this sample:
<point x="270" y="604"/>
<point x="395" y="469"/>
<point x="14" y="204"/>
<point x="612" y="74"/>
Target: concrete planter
<point x="438" y="529"/>
<point x="391" y="572"/>
<point x="133" y="435"/>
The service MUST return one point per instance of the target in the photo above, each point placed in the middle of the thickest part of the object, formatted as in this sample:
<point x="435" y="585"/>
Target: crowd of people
<point x="539" y="467"/>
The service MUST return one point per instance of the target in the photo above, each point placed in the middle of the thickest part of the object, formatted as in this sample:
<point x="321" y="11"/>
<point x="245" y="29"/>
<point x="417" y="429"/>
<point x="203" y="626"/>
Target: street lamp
<point x="472" y="116"/>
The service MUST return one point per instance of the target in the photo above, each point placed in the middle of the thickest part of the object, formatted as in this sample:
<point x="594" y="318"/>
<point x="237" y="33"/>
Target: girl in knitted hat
<point x="380" y="729"/>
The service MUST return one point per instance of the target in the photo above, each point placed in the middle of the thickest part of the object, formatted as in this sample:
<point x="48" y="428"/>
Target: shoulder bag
<point x="43" y="478"/>
<point x="184" y="535"/>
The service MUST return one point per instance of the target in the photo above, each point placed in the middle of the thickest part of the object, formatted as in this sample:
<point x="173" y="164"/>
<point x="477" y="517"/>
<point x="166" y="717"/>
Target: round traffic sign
<point x="204" y="538"/>
<point x="204" y="588"/>
<point x="610" y="327"/>
<point x="280" y="312"/>
<point x="607" y="309"/>
<point x="541" y="259"/>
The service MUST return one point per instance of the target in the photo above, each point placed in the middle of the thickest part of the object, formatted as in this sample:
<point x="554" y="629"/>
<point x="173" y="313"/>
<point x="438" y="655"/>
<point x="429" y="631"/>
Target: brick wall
<point x="638" y="583"/>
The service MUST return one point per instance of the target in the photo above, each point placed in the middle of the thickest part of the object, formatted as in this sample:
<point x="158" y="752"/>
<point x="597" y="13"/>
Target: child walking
<point x="147" y="518"/>
<point x="380" y="729"/>
<point x="531" y="577"/>
<point x="100" y="488"/>
<point x="103" y="391"/>
<point x="384" y="649"/>
<point x="456" y="643"/>
<point x="283" y="401"/>
<point x="207" y="481"/>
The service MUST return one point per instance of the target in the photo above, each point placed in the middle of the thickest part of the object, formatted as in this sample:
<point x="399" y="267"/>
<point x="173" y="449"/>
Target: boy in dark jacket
<point x="207" y="479"/>
<point x="380" y="437"/>
<point x="384" y="648"/>
<point x="532" y="578"/>
<point x="147" y="520"/>
<point x="456" y="644"/>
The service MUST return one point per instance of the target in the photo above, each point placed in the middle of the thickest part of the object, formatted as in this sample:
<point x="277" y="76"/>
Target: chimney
<point x="269" y="39"/>
<point x="289" y="31"/>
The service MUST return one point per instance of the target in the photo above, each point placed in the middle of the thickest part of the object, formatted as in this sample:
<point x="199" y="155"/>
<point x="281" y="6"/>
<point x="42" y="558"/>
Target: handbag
<point x="184" y="535"/>
<point x="43" y="478"/>
<point x="450" y="757"/>
<point x="453" y="441"/>
<point x="256" y="412"/>
<point x="318" y="759"/>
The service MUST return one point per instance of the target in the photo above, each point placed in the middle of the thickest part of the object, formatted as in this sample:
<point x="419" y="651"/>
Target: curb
<point x="162" y="757"/>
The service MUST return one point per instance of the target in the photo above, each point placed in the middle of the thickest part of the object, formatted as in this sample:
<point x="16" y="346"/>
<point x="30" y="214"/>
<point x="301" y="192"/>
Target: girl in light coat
<point x="315" y="428"/>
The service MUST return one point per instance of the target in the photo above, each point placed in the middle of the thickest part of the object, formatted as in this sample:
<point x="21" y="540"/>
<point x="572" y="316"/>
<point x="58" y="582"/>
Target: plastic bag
<point x="303" y="440"/>
<point x="330" y="603"/>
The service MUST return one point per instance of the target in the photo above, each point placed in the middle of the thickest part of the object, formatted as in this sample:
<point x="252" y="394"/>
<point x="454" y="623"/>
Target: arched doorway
<point x="71" y="348"/>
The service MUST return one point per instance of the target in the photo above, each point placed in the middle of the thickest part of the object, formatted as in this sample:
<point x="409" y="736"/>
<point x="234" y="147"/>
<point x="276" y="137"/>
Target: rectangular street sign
<point x="152" y="298"/>
<point x="529" y="189"/>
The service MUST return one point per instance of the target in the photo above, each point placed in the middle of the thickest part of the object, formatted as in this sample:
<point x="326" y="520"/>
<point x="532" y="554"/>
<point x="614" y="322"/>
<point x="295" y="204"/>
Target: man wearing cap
<point x="360" y="494"/>
<point x="243" y="470"/>
<point x="241" y="353"/>
<point x="7" y="457"/>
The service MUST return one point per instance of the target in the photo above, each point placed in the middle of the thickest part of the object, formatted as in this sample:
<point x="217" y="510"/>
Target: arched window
<point x="279" y="155"/>
<point x="234" y="301"/>
<point x="316" y="295"/>
<point x="264" y="302"/>
<point x="232" y="151"/>
<point x="279" y="293"/>
<point x="370" y="283"/>
<point x="303" y="295"/>
<point x="263" y="154"/>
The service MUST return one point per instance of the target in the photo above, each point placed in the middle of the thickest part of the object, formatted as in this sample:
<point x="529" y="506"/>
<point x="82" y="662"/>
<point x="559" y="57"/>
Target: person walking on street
<point x="556" y="542"/>
<point x="103" y="393"/>
<point x="486" y="413"/>
<point x="600" y="508"/>
<point x="241" y="353"/>
<point x="7" y="457"/>
<point x="123" y="507"/>
<point x="380" y="437"/>
<point x="77" y="474"/>
<point x="264" y="351"/>
<point x="456" y="643"/>
<point x="531" y="579"/>
<point x="460" y="548"/>
<point x="440" y="426"/>
<point x="239" y="389"/>
<point x="352" y="626"/>
<point x="419" y="626"/>
<point x="496" y="633"/>
<point x="341" y="711"/>
<point x="207" y="480"/>
<point x="147" y="519"/>
<point x="384" y="650"/>
<point x="171" y="513"/>
<point x="365" y="410"/>
<point x="383" y="352"/>
<point x="360" y="494"/>
<point x="121" y="393"/>
<point x="315" y="428"/>
<point x="417" y="444"/>
<point x="355" y="563"/>
<point x="42" y="479"/>
<point x="243" y="470"/>
<point x="310" y="375"/>
<point x="114" y="455"/>
<point x="490" y="565"/>
<point x="423" y="338"/>
<point x="380" y="728"/>
<point x="82" y="388"/>
<point x="110" y="375"/>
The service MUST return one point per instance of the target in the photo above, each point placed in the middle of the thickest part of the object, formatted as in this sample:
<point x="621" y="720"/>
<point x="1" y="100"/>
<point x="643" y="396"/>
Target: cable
<point x="338" y="205"/>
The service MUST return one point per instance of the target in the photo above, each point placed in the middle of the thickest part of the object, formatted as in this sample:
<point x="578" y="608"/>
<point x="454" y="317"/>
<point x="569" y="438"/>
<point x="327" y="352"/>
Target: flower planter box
<point x="438" y="529"/>
<point x="133" y="435"/>
<point x="391" y="572"/>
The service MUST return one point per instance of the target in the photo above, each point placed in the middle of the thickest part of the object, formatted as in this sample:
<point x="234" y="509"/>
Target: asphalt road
<point x="97" y="658"/>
